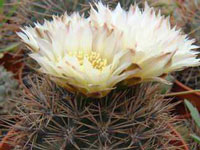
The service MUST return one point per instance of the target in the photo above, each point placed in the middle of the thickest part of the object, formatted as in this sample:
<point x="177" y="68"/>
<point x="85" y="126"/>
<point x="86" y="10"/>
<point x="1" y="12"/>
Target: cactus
<point x="53" y="119"/>
<point x="8" y="87"/>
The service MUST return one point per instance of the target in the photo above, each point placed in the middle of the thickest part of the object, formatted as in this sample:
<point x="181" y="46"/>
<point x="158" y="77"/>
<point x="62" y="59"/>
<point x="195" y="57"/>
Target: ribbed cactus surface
<point x="131" y="119"/>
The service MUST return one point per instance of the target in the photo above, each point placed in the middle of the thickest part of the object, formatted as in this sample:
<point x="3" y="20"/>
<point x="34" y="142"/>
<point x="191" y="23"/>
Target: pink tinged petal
<point x="28" y="39"/>
<point x="46" y="66"/>
<point x="45" y="49"/>
<point x="154" y="66"/>
<point x="116" y="61"/>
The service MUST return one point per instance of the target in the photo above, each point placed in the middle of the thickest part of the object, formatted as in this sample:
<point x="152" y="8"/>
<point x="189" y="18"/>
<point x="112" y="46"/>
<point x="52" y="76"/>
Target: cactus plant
<point x="8" y="87"/>
<point x="53" y="119"/>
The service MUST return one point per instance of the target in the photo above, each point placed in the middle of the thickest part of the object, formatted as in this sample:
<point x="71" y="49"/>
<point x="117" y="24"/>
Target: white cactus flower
<point x="91" y="55"/>
<point x="77" y="55"/>
<point x="156" y="48"/>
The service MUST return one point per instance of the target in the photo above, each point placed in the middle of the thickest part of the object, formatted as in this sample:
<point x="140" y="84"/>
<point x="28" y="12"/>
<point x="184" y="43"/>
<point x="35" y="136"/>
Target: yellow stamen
<point x="93" y="57"/>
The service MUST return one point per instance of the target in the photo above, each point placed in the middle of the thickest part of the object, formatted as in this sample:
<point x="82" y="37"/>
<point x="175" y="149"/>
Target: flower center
<point x="93" y="57"/>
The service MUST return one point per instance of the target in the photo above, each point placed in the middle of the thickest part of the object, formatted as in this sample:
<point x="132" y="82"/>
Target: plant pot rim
<point x="185" y="87"/>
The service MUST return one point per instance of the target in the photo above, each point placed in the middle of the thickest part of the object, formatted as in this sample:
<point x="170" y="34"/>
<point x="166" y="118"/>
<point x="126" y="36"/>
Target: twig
<point x="181" y="93"/>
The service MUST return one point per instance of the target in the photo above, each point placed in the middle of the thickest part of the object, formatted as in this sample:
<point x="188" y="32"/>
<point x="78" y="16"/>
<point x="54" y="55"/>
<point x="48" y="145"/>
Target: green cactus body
<point x="133" y="119"/>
